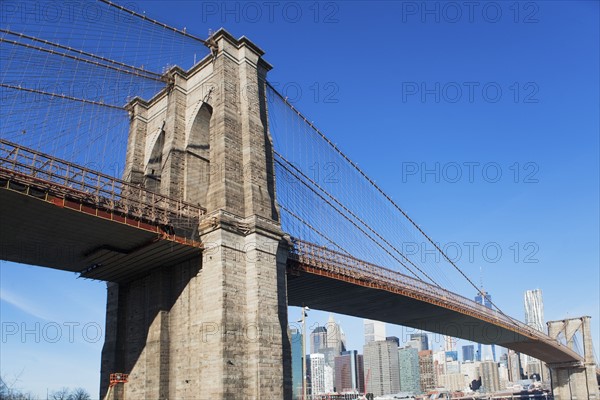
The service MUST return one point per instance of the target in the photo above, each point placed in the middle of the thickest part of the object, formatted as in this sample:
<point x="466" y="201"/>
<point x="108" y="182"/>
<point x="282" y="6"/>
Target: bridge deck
<point x="325" y="280"/>
<point x="48" y="225"/>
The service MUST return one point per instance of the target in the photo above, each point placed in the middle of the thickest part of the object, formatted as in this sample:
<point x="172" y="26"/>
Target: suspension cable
<point x="85" y="60"/>
<point x="314" y="229"/>
<point x="155" y="22"/>
<point x="350" y="221"/>
<point x="339" y="203"/>
<point x="85" y="53"/>
<point x="62" y="96"/>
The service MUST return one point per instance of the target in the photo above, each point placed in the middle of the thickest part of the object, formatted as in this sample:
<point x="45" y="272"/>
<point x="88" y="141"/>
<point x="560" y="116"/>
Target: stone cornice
<point x="233" y="223"/>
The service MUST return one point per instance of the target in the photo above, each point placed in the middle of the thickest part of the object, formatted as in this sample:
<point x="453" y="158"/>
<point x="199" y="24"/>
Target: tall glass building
<point x="296" y="339"/>
<point x="485" y="352"/>
<point x="381" y="366"/>
<point x="534" y="317"/>
<point x="452" y="355"/>
<point x="534" y="309"/>
<point x="374" y="330"/>
<point x="419" y="341"/>
<point x="468" y="353"/>
<point x="408" y="359"/>
<point x="349" y="376"/>
<point x="318" y="340"/>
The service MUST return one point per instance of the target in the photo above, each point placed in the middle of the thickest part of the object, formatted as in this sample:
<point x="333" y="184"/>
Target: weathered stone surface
<point x="574" y="382"/>
<point x="214" y="327"/>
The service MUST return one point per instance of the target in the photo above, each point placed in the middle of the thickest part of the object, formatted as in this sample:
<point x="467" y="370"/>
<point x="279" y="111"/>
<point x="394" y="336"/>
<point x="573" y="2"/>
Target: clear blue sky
<point x="367" y="73"/>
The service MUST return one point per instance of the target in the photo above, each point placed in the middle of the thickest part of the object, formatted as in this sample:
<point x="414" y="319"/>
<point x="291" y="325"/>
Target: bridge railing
<point x="335" y="262"/>
<point x="70" y="180"/>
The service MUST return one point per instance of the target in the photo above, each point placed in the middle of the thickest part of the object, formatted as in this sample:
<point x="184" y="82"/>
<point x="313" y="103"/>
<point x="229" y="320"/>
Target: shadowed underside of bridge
<point x="39" y="232"/>
<point x="364" y="300"/>
<point x="378" y="293"/>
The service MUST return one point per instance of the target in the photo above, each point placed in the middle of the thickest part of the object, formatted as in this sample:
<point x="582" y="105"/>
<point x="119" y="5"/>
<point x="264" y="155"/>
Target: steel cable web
<point x="293" y="172"/>
<point x="67" y="70"/>
<point x="326" y="199"/>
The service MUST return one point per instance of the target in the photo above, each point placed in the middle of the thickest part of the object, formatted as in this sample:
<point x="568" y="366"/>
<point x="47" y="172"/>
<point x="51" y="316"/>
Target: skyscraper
<point x="515" y="371"/>
<point x="330" y="354"/>
<point x="534" y="317"/>
<point x="451" y="356"/>
<point x="419" y="341"/>
<point x="317" y="373"/>
<point x="381" y="366"/>
<point x="452" y="366"/>
<point x="361" y="373"/>
<point x="348" y="377"/>
<point x="449" y="343"/>
<point x="318" y="340"/>
<point x="503" y="374"/>
<point x="374" y="330"/>
<point x="486" y="299"/>
<point x="485" y="352"/>
<point x="328" y="372"/>
<point x="439" y="363"/>
<point x="343" y="338"/>
<point x="408" y="359"/>
<point x="470" y="370"/>
<point x="427" y="376"/>
<point x="490" y="377"/>
<point x="468" y="353"/>
<point x="334" y="336"/>
<point x="534" y="309"/>
<point x="296" y="339"/>
<point x="345" y="380"/>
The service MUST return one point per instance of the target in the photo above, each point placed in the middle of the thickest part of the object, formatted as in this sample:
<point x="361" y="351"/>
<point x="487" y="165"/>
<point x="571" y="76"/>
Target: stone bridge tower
<point x="576" y="381"/>
<point x="213" y="327"/>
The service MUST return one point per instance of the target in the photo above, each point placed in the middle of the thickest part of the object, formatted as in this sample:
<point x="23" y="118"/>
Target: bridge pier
<point x="213" y="327"/>
<point x="576" y="381"/>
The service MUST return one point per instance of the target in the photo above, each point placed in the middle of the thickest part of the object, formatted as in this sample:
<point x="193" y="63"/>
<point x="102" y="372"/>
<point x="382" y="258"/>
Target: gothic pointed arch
<point x="153" y="171"/>
<point x="197" y="155"/>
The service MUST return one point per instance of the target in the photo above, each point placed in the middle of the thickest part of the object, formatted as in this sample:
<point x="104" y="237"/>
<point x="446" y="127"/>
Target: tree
<point x="79" y="394"/>
<point x="4" y="391"/>
<point x="8" y="392"/>
<point x="61" y="394"/>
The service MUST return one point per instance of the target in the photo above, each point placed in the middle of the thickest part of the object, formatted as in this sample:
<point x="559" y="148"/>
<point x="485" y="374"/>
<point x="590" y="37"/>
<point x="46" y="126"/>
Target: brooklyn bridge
<point x="217" y="223"/>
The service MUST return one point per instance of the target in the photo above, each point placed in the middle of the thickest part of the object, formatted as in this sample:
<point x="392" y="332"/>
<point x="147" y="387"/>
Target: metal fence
<point x="66" y="179"/>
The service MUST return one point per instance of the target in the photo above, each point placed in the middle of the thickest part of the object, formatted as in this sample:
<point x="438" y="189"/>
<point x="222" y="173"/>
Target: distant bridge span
<point x="60" y="215"/>
<point x="328" y="280"/>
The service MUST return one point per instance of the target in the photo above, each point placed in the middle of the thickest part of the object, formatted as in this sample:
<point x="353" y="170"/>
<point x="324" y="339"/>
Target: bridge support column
<point x="244" y="267"/>
<point x="213" y="327"/>
<point x="574" y="381"/>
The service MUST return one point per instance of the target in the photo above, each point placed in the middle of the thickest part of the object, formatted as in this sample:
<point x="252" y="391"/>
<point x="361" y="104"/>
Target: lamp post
<point x="304" y="315"/>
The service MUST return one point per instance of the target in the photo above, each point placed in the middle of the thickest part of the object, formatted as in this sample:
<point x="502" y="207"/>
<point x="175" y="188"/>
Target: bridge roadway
<point x="331" y="281"/>
<point x="59" y="215"/>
